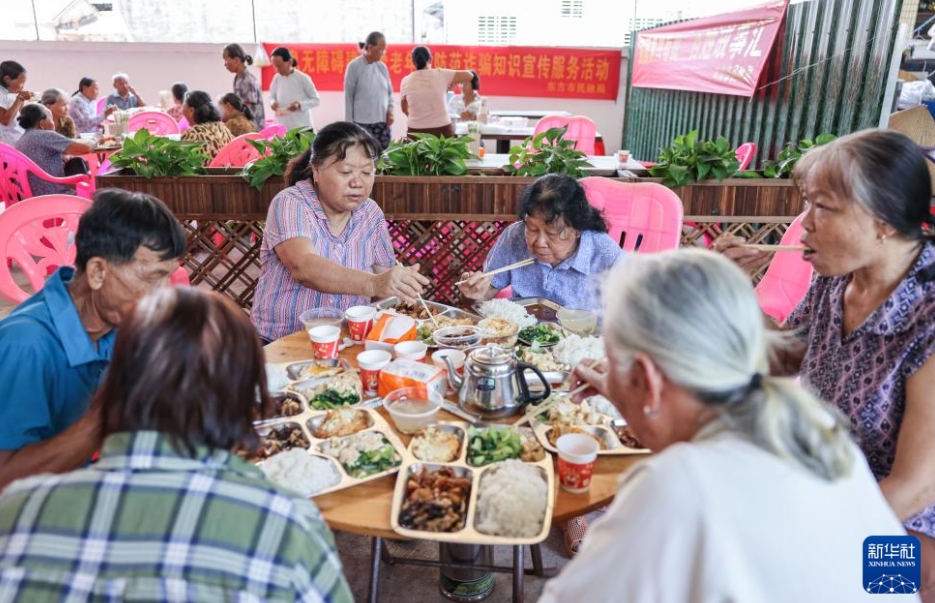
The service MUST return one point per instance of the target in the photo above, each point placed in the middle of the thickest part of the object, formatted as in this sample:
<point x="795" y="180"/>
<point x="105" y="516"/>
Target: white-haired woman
<point x="756" y="492"/>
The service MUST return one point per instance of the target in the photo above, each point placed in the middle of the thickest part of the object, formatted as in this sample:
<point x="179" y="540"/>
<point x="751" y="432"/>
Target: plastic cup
<point x="623" y="156"/>
<point x="582" y="322"/>
<point x="325" y="341"/>
<point x="360" y="321"/>
<point x="576" y="455"/>
<point x="371" y="363"/>
<point x="457" y="359"/>
<point x="411" y="350"/>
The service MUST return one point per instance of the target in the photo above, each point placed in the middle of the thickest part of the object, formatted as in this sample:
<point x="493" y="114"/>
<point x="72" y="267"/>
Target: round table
<point x="365" y="509"/>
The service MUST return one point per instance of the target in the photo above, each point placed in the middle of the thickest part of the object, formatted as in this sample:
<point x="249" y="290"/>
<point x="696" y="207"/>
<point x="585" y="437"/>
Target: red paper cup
<point x="360" y="321"/>
<point x="371" y="363"/>
<point x="325" y="341"/>
<point x="576" y="455"/>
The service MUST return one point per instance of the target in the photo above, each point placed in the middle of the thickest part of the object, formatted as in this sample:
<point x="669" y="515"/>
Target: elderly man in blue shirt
<point x="565" y="236"/>
<point x="125" y="96"/>
<point x="55" y="346"/>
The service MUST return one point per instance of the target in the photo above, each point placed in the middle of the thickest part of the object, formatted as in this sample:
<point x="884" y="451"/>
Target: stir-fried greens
<point x="539" y="334"/>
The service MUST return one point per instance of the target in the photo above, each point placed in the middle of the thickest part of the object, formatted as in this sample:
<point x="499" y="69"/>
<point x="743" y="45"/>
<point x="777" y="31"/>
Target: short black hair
<point x="331" y="141"/>
<point x="178" y="91"/>
<point x="237" y="103"/>
<point x="119" y="222"/>
<point x="30" y="115"/>
<point x="283" y="53"/>
<point x="202" y="105"/>
<point x="421" y="57"/>
<point x="10" y="69"/>
<point x="555" y="196"/>
<point x="475" y="81"/>
<point x="85" y="82"/>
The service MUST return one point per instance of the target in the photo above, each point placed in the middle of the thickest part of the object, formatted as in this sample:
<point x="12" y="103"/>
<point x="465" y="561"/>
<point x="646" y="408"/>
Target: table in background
<point x="504" y="134"/>
<point x="530" y="113"/>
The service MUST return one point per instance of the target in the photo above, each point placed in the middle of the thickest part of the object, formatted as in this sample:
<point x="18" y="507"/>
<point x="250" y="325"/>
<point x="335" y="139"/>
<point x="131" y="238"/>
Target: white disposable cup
<point x="360" y="321"/>
<point x="410" y="350"/>
<point x="623" y="156"/>
<point x="457" y="360"/>
<point x="576" y="456"/>
<point x="325" y="341"/>
<point x="371" y="363"/>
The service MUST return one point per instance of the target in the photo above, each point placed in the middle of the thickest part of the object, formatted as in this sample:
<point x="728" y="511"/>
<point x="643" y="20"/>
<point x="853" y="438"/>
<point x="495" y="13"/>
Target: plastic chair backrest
<point x="642" y="216"/>
<point x="183" y="125"/>
<point x="237" y="153"/>
<point x="15" y="169"/>
<point x="101" y="104"/>
<point x="579" y="128"/>
<point x="273" y="130"/>
<point x="157" y="122"/>
<point x="745" y="153"/>
<point x="787" y="279"/>
<point x="38" y="235"/>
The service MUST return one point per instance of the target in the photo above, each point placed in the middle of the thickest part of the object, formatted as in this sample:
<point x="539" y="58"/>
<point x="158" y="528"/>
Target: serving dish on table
<point x="544" y="310"/>
<point x="444" y="497"/>
<point x="609" y="430"/>
<point x="417" y="312"/>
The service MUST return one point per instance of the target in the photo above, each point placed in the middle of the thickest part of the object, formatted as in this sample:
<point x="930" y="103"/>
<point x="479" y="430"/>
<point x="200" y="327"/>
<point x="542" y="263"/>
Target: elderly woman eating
<point x="565" y="236"/>
<point x="747" y="465"/>
<point x="326" y="243"/>
<point x="57" y="103"/>
<point x="47" y="148"/>
<point x="865" y="330"/>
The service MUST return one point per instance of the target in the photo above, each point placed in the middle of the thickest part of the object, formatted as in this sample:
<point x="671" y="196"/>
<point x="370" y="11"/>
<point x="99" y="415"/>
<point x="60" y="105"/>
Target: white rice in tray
<point x="301" y="472"/>
<point x="511" y="500"/>
<point x="575" y="348"/>
<point x="504" y="308"/>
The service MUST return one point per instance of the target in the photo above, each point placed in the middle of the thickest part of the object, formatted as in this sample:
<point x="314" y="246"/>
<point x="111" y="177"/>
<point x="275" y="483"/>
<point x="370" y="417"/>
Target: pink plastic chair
<point x="580" y="129"/>
<point x="38" y="235"/>
<point x="641" y="216"/>
<point x="745" y="153"/>
<point x="787" y="279"/>
<point x="273" y="130"/>
<point x="238" y="152"/>
<point x="14" y="182"/>
<point x="183" y="125"/>
<point x="101" y="104"/>
<point x="157" y="122"/>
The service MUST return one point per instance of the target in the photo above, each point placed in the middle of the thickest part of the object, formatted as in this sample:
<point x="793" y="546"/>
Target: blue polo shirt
<point x="49" y="367"/>
<point x="572" y="283"/>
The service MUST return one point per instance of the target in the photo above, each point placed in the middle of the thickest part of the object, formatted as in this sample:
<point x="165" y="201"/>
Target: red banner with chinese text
<point x="503" y="70"/>
<point x="724" y="54"/>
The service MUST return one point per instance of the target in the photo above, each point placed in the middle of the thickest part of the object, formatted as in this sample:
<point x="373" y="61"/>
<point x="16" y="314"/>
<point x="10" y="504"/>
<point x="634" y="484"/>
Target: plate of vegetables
<point x="542" y="335"/>
<point x="499" y="443"/>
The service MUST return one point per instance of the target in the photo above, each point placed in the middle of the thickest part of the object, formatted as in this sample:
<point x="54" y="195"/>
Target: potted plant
<point x="790" y="154"/>
<point x="275" y="155"/>
<point x="157" y="156"/>
<point x="547" y="153"/>
<point x="689" y="160"/>
<point x="427" y="155"/>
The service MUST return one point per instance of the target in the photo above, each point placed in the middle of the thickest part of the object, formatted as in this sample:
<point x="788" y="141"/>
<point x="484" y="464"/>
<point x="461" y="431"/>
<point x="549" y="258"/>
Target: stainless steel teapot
<point x="494" y="383"/>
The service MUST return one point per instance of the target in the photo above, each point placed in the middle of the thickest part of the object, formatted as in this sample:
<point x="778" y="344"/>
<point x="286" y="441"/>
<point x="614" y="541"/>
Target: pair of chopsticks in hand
<point x="520" y="264"/>
<point x="422" y="301"/>
<point x="549" y="403"/>
<point x="760" y="247"/>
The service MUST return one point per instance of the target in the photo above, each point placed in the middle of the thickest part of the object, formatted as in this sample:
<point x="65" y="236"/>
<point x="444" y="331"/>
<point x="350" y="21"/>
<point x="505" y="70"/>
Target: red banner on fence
<point x="503" y="70"/>
<point x="724" y="54"/>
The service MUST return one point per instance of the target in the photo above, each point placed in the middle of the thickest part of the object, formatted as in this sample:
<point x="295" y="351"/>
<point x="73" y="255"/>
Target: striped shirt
<point x="296" y="212"/>
<point x="147" y="523"/>
<point x="84" y="111"/>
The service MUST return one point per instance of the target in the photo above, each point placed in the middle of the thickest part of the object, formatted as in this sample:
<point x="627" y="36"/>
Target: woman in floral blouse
<point x="246" y="85"/>
<point x="206" y="123"/>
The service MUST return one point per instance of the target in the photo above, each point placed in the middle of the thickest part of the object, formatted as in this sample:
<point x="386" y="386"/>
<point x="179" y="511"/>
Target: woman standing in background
<point x="368" y="90"/>
<point x="292" y="92"/>
<point x="422" y="95"/>
<point x="245" y="84"/>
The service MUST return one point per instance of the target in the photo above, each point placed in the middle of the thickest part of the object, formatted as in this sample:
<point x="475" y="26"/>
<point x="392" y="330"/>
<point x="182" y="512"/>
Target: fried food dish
<point x="436" y="445"/>
<point x="316" y="369"/>
<point x="278" y="439"/>
<point x="436" y="501"/>
<point x="416" y="311"/>
<point x="341" y="422"/>
<point x="626" y="437"/>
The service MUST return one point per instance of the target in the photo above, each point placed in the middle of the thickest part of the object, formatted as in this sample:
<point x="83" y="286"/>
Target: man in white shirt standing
<point x="292" y="93"/>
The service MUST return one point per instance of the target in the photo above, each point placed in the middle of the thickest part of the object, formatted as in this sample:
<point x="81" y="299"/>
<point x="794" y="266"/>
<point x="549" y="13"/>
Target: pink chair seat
<point x="15" y="169"/>
<point x="238" y="152"/>
<point x="642" y="216"/>
<point x="273" y="130"/>
<point x="156" y="122"/>
<point x="787" y="279"/>
<point x="745" y="153"/>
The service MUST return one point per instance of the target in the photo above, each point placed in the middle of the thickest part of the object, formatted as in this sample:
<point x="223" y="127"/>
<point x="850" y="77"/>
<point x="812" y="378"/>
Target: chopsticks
<point x="525" y="262"/>
<point x="759" y="247"/>
<point x="425" y="306"/>
<point x="548" y="404"/>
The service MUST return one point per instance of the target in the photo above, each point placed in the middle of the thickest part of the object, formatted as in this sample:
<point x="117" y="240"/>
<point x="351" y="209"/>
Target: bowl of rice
<point x="301" y="472"/>
<point x="499" y="331"/>
<point x="509" y="310"/>
<point x="512" y="500"/>
<point x="575" y="348"/>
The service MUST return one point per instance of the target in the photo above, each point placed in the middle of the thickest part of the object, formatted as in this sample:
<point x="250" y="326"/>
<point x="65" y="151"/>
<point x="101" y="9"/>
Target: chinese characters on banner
<point x="503" y="70"/>
<point x="724" y="54"/>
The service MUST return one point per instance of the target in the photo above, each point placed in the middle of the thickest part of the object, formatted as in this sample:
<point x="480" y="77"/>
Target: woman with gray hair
<point x="46" y="148"/>
<point x="756" y="492"/>
<point x="56" y="101"/>
<point x="865" y="331"/>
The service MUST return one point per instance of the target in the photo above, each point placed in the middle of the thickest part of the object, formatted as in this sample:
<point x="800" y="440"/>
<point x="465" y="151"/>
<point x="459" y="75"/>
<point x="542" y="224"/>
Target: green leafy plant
<point x="690" y="160"/>
<point x="782" y="166"/>
<point x="547" y="153"/>
<point x="427" y="155"/>
<point x="157" y="156"/>
<point x="275" y="155"/>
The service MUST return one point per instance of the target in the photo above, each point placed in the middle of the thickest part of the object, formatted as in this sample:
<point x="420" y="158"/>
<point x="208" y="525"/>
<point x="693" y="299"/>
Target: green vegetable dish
<point x="363" y="454"/>
<point x="492" y="444"/>
<point x="331" y="399"/>
<point x="426" y="334"/>
<point x="542" y="334"/>
<point x="374" y="461"/>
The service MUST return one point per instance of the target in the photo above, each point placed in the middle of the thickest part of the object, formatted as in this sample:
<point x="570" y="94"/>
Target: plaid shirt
<point x="147" y="523"/>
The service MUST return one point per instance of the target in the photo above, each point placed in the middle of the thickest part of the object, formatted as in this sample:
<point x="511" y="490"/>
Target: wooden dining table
<point x="365" y="509"/>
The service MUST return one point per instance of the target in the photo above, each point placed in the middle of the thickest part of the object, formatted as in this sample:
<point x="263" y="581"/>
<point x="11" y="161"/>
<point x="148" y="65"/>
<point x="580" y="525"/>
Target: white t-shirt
<point x="719" y="519"/>
<point x="424" y="90"/>
<point x="9" y="134"/>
